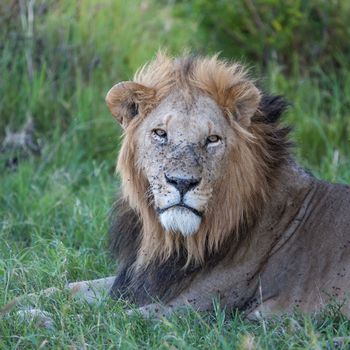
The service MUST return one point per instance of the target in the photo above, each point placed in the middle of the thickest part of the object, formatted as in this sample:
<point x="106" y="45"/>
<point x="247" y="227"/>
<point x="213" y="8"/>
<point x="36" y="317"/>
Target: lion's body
<point x="275" y="237"/>
<point x="297" y="256"/>
<point x="310" y="265"/>
<point x="213" y="205"/>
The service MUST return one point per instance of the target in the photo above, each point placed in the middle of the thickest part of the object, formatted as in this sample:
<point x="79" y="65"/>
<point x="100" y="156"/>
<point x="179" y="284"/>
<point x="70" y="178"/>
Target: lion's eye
<point x="213" y="139"/>
<point x="160" y="133"/>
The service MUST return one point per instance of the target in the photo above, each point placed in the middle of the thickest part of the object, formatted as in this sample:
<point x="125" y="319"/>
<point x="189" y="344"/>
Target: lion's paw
<point x="39" y="317"/>
<point x="149" y="311"/>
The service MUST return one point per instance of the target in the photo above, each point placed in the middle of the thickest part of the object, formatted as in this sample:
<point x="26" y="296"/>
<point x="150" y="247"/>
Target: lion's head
<point x="196" y="157"/>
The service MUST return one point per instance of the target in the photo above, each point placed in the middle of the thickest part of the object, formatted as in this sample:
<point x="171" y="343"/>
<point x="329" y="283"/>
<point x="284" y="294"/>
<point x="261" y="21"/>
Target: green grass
<point x="54" y="209"/>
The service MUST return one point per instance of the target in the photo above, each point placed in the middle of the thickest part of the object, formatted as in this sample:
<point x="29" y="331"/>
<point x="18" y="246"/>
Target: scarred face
<point x="187" y="150"/>
<point x="180" y="158"/>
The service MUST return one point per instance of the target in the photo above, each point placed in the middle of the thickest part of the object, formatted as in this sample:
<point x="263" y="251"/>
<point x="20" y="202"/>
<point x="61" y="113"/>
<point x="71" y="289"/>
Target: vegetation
<point x="290" y="32"/>
<point x="57" y="61"/>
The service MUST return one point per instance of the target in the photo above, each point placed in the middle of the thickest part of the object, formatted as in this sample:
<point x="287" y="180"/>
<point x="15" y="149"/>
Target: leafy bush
<point x="289" y="32"/>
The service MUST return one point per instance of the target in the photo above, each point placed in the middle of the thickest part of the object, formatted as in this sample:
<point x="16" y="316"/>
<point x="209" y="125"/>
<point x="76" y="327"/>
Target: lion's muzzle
<point x="183" y="185"/>
<point x="178" y="216"/>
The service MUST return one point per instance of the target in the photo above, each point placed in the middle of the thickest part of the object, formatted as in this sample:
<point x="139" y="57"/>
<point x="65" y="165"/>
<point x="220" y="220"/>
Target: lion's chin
<point x="180" y="220"/>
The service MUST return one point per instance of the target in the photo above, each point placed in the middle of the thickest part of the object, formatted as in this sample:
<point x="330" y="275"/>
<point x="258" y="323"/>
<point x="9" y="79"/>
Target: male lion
<point x="213" y="205"/>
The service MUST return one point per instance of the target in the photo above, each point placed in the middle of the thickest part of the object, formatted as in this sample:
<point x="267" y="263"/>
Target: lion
<point x="213" y="205"/>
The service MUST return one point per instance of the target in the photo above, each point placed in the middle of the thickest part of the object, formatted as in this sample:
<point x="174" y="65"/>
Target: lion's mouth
<point x="180" y="205"/>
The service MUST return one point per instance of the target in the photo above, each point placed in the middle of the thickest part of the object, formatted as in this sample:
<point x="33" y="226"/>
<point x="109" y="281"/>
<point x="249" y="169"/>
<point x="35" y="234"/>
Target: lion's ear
<point x="245" y="99"/>
<point x="125" y="99"/>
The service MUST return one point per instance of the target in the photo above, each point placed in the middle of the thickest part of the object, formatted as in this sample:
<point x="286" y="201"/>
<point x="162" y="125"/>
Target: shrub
<point x="289" y="32"/>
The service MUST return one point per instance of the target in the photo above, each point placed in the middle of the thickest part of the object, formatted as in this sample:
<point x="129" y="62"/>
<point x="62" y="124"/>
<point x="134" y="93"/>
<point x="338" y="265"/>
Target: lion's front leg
<point x="192" y="299"/>
<point x="226" y="285"/>
<point x="158" y="310"/>
<point x="91" y="291"/>
<point x="152" y="310"/>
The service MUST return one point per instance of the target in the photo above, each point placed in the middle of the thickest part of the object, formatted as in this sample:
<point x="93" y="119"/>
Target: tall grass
<point x="57" y="61"/>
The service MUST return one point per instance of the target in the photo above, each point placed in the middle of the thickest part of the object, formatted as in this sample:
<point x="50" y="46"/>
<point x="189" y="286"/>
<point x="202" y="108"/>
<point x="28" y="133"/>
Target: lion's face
<point x="182" y="158"/>
<point x="190" y="161"/>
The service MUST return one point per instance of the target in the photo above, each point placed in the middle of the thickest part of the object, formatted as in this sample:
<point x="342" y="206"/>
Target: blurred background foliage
<point x="293" y="33"/>
<point x="58" y="58"/>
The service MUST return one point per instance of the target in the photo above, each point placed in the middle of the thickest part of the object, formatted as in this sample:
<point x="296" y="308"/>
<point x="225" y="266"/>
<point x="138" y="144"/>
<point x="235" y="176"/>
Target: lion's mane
<point x="151" y="261"/>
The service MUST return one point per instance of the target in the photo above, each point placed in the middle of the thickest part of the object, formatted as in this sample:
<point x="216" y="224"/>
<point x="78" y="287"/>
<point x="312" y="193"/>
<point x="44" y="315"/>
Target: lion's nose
<point x="181" y="184"/>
